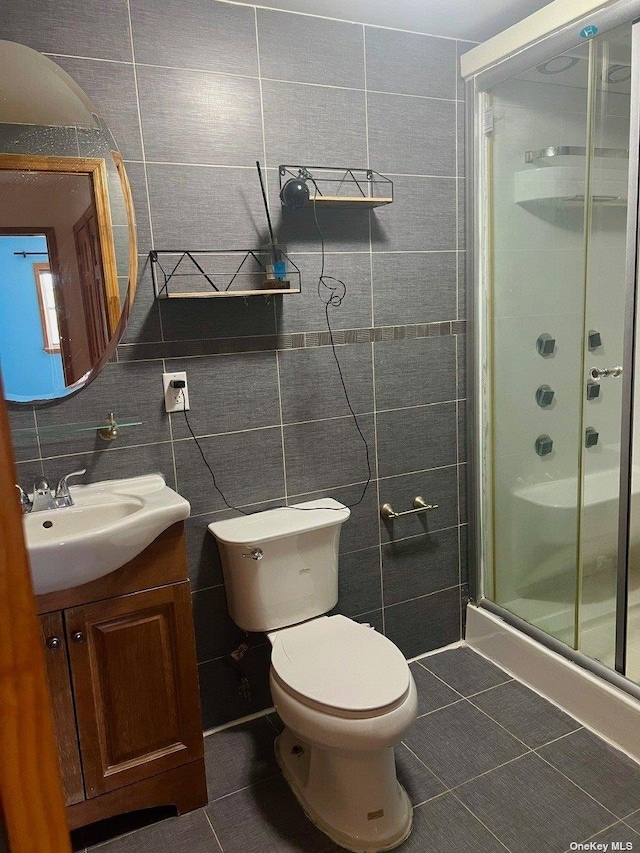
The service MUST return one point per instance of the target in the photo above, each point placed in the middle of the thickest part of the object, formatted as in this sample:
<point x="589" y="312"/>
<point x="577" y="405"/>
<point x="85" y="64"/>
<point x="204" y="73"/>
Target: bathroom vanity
<point x="121" y="664"/>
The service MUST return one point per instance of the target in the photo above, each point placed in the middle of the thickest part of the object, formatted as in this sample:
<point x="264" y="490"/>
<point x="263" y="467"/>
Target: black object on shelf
<point x="337" y="186"/>
<point x="196" y="273"/>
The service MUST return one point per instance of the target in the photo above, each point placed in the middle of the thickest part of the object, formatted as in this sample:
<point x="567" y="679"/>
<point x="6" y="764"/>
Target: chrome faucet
<point x="63" y="496"/>
<point x="43" y="498"/>
<point x="25" y="501"/>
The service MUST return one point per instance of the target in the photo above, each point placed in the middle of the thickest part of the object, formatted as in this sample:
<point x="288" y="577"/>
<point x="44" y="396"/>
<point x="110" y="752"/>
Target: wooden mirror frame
<point x="96" y="170"/>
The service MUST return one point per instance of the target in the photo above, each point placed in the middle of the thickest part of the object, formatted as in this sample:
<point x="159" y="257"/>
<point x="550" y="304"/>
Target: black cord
<point x="331" y="291"/>
<point x="204" y="459"/>
<point x="337" y="290"/>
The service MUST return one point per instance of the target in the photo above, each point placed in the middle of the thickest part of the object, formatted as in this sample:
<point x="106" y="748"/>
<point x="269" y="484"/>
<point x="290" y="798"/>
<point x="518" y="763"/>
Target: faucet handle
<point x="42" y="496"/>
<point x="25" y="503"/>
<point x="62" y="489"/>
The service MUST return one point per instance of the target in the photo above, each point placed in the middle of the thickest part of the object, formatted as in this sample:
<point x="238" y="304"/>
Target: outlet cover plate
<point x="173" y="397"/>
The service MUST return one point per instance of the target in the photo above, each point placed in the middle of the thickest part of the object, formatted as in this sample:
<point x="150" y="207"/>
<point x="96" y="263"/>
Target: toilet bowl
<point x="346" y="697"/>
<point x="344" y="692"/>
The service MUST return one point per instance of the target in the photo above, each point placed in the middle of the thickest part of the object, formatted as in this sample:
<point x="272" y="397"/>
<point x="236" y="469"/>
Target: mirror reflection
<point x="67" y="235"/>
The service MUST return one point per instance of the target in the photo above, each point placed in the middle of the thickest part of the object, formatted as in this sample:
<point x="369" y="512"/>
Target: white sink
<point x="110" y="523"/>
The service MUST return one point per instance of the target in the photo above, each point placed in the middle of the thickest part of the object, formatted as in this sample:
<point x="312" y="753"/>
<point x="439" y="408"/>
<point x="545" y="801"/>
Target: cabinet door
<point x="64" y="718"/>
<point x="135" y="682"/>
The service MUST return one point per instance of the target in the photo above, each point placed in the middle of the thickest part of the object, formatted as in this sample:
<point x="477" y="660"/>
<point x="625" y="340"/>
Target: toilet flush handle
<point x="255" y="554"/>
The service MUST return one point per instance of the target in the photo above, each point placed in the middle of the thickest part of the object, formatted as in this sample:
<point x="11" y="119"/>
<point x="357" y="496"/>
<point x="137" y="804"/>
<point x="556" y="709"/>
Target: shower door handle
<point x="602" y="372"/>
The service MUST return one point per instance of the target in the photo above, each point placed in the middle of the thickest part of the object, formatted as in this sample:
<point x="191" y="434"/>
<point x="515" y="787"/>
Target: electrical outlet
<point x="175" y="399"/>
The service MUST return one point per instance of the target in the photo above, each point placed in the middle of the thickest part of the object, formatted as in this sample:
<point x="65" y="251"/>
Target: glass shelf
<point x="26" y="435"/>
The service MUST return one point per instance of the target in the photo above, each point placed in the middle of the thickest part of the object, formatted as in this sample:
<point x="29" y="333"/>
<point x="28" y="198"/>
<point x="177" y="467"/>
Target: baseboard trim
<point x="606" y="710"/>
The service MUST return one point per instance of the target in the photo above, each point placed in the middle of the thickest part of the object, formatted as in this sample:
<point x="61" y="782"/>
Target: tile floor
<point x="489" y="765"/>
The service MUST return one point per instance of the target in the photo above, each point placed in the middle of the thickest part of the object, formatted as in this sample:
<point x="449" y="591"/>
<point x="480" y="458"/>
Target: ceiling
<point x="474" y="20"/>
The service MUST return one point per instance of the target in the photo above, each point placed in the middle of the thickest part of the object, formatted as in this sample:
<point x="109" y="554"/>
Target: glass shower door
<point x="605" y="303"/>
<point x="537" y="129"/>
<point x="556" y="174"/>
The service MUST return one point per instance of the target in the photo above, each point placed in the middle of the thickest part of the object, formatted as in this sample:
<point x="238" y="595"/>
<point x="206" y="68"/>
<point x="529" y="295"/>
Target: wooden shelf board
<point x="221" y="293"/>
<point x="346" y="201"/>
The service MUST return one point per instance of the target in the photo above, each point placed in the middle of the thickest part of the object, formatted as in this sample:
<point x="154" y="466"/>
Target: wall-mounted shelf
<point x="560" y="153"/>
<point x="27" y="435"/>
<point x="191" y="294"/>
<point x="566" y="184"/>
<point x="341" y="187"/>
<point x="221" y="273"/>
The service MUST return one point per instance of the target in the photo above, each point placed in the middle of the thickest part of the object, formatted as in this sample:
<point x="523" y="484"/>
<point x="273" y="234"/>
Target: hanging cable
<point x="331" y="292"/>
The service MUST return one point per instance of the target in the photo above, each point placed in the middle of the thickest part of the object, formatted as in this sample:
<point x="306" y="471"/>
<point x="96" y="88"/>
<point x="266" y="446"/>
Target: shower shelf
<point x="565" y="184"/>
<point x="544" y="155"/>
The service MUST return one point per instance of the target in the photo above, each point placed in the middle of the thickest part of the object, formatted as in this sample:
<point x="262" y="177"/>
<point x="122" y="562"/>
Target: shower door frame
<point x="476" y="88"/>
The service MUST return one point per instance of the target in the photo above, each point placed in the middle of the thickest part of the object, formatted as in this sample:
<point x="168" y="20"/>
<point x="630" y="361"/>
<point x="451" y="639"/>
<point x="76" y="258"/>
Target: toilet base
<point x="354" y="798"/>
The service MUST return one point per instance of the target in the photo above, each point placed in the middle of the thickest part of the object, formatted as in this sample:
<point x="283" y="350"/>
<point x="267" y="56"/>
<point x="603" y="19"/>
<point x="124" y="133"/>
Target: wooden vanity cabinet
<point x="123" y="678"/>
<point x="64" y="716"/>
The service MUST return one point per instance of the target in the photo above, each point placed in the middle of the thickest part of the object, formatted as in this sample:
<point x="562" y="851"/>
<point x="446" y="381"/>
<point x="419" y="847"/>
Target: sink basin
<point x="110" y="523"/>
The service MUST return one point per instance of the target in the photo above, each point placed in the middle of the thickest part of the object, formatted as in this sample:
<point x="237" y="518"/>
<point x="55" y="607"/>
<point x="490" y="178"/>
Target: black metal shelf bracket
<point x="172" y="265"/>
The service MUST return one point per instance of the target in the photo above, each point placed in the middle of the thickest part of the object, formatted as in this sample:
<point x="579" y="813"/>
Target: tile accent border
<point x="302" y="340"/>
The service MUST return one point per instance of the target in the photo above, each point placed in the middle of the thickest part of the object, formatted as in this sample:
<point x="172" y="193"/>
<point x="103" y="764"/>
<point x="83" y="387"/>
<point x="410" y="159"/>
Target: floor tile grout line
<point x="560" y="737"/>
<point x="424" y="764"/>
<point x="446" y="684"/>
<point x="451" y="788"/>
<point x="276" y="775"/>
<point x="629" y="814"/>
<point x="431" y="799"/>
<point x="215" y="834"/>
<point x="623" y="820"/>
<point x="504" y="728"/>
<point x="492" y="770"/>
<point x="575" y="784"/>
<point x="480" y="821"/>
<point x="442" y="708"/>
<point x="508" y="680"/>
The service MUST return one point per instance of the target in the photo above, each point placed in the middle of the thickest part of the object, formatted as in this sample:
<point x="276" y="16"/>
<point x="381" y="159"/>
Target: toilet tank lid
<point x="283" y="521"/>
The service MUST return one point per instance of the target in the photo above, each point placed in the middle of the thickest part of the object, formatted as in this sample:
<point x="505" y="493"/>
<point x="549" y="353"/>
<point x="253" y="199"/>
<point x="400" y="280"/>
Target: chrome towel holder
<point x="419" y="505"/>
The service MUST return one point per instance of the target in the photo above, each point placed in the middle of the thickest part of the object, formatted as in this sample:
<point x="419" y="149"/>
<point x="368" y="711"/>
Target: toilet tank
<point x="281" y="565"/>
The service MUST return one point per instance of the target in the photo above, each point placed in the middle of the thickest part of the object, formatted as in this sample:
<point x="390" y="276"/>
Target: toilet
<point x="343" y="691"/>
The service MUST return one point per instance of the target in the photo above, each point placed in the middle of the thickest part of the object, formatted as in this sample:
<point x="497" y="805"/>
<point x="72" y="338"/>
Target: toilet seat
<point x="339" y="665"/>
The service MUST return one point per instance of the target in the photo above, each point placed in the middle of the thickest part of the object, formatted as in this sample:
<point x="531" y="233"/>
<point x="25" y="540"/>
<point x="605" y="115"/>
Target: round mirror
<point x="68" y="258"/>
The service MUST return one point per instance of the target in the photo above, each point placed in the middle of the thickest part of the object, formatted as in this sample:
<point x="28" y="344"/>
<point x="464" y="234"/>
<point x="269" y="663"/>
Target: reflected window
<point x="48" y="313"/>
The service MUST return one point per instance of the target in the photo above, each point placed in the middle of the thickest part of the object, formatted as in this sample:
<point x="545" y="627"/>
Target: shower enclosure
<point x="553" y="212"/>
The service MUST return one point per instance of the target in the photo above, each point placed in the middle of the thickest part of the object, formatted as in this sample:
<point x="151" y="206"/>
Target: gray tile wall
<point x="195" y="93"/>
